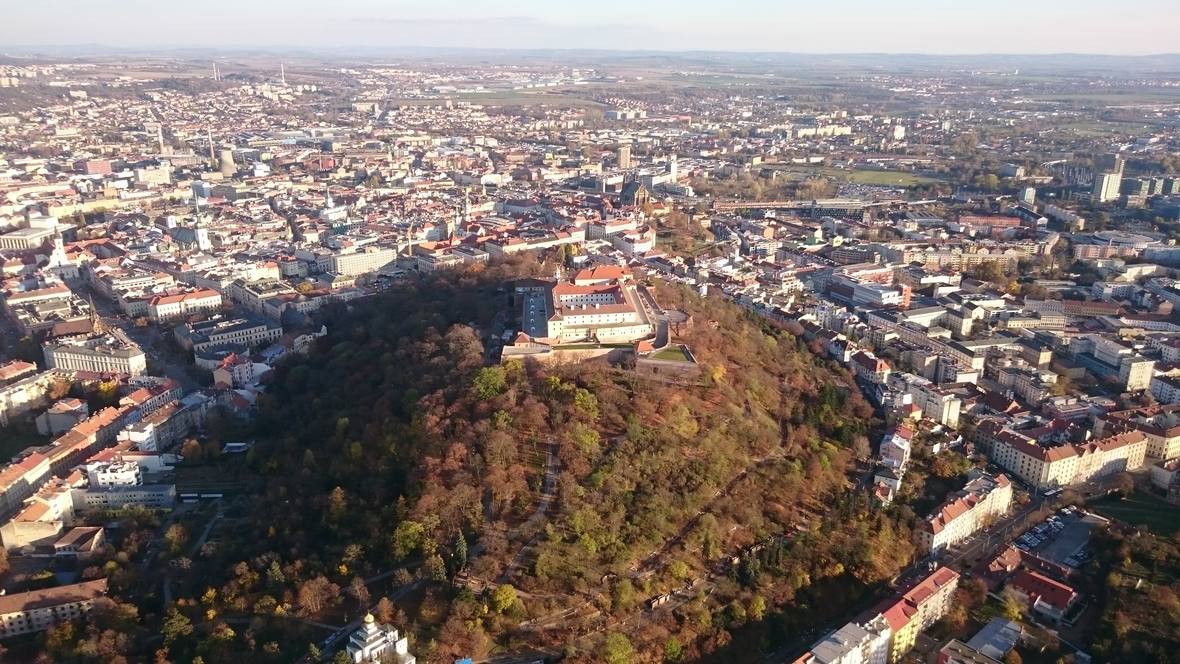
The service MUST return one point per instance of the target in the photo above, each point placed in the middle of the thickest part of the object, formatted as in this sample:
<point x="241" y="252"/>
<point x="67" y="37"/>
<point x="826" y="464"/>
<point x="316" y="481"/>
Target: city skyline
<point x="916" y="27"/>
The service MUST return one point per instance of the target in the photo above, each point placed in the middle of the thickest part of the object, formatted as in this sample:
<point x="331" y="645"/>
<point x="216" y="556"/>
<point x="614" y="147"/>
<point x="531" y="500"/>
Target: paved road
<point x="151" y="339"/>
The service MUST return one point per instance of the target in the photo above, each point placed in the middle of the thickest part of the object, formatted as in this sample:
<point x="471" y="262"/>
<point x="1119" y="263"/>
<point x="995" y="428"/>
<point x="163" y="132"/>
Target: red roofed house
<point x="1045" y="596"/>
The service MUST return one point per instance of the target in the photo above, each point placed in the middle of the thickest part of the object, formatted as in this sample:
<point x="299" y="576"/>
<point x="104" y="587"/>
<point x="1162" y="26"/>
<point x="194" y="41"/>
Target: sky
<point x="1135" y="27"/>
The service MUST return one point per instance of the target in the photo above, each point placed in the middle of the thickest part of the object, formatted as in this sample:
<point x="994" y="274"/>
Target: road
<point x="163" y="359"/>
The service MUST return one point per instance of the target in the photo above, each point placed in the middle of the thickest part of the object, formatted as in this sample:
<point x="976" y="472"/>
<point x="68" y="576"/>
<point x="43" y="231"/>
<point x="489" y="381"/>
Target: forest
<point x="581" y="510"/>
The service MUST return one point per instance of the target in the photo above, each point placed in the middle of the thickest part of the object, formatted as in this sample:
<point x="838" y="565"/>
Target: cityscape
<point x="435" y="351"/>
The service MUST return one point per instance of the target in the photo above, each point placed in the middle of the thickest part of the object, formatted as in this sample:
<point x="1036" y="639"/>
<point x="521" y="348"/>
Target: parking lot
<point x="535" y="315"/>
<point x="1061" y="539"/>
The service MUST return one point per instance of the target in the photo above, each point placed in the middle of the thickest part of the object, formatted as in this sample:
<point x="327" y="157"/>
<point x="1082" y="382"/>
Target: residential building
<point x="1161" y="425"/>
<point x="1048" y="467"/>
<point x="107" y="354"/>
<point x="895" y="447"/>
<point x="984" y="498"/>
<point x="1046" y="597"/>
<point x="1106" y="187"/>
<point x="38" y="610"/>
<point x="917" y="608"/>
<point x="854" y="643"/>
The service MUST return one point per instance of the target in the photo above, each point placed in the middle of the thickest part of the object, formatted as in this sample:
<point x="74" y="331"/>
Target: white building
<point x="174" y="307"/>
<point x="38" y="610"/>
<point x="378" y="642"/>
<point x="854" y="643"/>
<point x="101" y="355"/>
<point x="983" y="499"/>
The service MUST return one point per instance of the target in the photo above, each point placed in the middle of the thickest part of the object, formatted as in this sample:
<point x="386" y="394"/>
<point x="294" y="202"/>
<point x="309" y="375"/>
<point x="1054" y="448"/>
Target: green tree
<point x="503" y="597"/>
<point x="673" y="650"/>
<point x="407" y="538"/>
<point x="489" y="382"/>
<point x="176" y="625"/>
<point x="618" y="649"/>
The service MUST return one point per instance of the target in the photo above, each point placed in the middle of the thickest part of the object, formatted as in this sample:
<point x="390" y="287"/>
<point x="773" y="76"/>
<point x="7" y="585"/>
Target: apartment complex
<point x="984" y="498"/>
<point x="854" y="643"/>
<point x="1048" y="467"/>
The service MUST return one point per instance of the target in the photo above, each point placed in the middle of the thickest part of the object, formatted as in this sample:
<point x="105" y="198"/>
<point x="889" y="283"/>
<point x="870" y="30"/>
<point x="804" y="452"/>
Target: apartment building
<point x="984" y="498"/>
<point x="164" y="308"/>
<point x="854" y="643"/>
<point x="1046" y="467"/>
<point x="106" y="354"/>
<point x="917" y="608"/>
<point x="1161" y="425"/>
<point x="38" y="610"/>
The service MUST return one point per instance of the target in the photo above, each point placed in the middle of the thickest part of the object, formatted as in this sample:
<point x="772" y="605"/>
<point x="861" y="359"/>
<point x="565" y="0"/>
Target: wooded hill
<point x="518" y="505"/>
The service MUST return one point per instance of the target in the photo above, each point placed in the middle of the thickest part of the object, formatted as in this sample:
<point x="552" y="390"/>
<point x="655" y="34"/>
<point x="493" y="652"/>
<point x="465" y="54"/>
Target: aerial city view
<point x="633" y="333"/>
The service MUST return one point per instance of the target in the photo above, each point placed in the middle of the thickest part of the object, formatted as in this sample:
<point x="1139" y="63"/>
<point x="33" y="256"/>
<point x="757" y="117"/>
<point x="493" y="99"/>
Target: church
<point x="378" y="642"/>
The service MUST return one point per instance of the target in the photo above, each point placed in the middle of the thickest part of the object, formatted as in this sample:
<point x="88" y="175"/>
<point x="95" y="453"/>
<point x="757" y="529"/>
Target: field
<point x="1142" y="509"/>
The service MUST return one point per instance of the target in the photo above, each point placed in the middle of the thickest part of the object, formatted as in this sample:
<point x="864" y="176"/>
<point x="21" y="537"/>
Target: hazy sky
<point x="843" y="26"/>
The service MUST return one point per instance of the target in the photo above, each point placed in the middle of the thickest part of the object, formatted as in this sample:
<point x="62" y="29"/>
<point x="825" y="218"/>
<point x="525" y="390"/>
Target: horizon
<point x="915" y="27"/>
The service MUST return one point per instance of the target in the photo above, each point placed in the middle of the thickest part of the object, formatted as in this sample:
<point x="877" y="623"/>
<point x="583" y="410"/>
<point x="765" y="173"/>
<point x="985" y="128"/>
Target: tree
<point x="673" y="650"/>
<point x="489" y="382"/>
<point x="861" y="447"/>
<point x="360" y="592"/>
<point x="503" y="597"/>
<point x="176" y="625"/>
<point x="1011" y="605"/>
<point x="192" y="451"/>
<point x="315" y="594"/>
<point x="175" y="537"/>
<point x="384" y="611"/>
<point x="1124" y="484"/>
<point x="618" y="649"/>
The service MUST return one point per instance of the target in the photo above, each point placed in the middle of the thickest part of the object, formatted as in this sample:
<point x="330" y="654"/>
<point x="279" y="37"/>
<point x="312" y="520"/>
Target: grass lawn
<point x="1142" y="509"/>
<point x="671" y="354"/>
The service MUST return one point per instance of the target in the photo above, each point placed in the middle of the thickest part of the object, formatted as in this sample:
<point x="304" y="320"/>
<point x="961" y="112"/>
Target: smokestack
<point x="212" y="157"/>
<point x="283" y="73"/>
